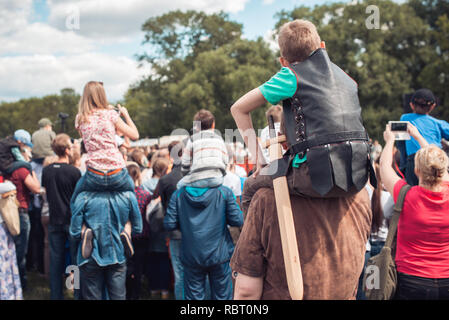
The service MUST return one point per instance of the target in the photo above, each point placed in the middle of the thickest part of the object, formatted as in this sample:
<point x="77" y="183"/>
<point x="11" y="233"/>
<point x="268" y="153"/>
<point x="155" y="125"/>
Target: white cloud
<point x="267" y="2"/>
<point x="118" y="18"/>
<point x="39" y="75"/>
<point x="14" y="15"/>
<point x="271" y="38"/>
<point x="39" y="38"/>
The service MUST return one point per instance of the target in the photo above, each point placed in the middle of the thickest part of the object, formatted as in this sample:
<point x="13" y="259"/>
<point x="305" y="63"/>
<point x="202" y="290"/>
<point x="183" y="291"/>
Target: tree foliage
<point x="25" y="113"/>
<point x="406" y="53"/>
<point x="201" y="60"/>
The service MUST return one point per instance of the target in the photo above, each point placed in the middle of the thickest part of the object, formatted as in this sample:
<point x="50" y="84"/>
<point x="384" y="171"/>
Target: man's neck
<point x="63" y="160"/>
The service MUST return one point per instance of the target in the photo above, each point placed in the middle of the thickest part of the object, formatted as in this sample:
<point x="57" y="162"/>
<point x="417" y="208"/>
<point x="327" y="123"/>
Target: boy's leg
<point x="220" y="282"/>
<point x="194" y="283"/>
<point x="207" y="183"/>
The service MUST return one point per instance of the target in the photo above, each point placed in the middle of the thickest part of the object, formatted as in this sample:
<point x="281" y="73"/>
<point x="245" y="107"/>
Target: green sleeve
<point x="280" y="87"/>
<point x="17" y="154"/>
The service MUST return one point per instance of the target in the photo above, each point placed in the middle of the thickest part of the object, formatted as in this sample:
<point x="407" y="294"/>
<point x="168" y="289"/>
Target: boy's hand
<point x="388" y="135"/>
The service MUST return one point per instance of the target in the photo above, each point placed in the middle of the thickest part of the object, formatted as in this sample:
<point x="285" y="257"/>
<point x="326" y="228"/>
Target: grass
<point x="39" y="288"/>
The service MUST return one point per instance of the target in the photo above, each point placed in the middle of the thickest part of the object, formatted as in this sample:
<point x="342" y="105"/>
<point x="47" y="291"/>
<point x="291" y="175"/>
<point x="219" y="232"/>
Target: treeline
<point x="202" y="61"/>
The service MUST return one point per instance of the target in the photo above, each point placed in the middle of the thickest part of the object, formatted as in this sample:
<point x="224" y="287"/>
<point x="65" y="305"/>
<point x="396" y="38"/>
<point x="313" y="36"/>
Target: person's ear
<point x="284" y="62"/>
<point x="432" y="107"/>
<point x="412" y="106"/>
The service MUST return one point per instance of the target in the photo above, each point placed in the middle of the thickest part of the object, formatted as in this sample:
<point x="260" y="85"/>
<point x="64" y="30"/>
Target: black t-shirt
<point x="59" y="180"/>
<point x="165" y="188"/>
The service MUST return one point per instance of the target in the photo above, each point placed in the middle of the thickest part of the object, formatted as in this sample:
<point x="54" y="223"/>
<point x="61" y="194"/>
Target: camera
<point x="399" y="128"/>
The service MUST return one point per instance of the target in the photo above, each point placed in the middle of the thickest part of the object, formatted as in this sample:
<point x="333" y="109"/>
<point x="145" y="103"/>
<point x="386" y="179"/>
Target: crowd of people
<point x="197" y="219"/>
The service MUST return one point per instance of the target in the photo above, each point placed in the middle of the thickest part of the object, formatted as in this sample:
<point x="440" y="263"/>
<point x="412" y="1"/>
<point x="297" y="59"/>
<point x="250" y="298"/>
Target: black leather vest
<point x="323" y="120"/>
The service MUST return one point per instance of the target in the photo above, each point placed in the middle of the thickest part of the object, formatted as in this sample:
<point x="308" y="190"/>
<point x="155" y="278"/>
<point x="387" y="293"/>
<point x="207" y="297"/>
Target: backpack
<point x="383" y="264"/>
<point x="155" y="216"/>
<point x="6" y="156"/>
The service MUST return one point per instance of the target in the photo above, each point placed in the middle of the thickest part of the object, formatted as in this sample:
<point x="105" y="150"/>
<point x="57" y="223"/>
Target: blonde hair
<point x="94" y="97"/>
<point x="432" y="163"/>
<point x="298" y="39"/>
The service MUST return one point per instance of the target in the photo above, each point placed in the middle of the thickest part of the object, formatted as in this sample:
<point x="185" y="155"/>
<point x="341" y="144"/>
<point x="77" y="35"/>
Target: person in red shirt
<point x="26" y="183"/>
<point x="422" y="249"/>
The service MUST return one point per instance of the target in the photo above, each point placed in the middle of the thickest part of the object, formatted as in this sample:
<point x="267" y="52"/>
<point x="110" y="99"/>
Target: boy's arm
<point x="171" y="221"/>
<point x="234" y="216"/>
<point x="134" y="216"/>
<point x="240" y="110"/>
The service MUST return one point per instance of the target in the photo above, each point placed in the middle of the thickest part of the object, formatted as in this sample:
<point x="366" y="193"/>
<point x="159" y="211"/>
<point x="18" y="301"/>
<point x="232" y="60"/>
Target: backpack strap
<point x="393" y="227"/>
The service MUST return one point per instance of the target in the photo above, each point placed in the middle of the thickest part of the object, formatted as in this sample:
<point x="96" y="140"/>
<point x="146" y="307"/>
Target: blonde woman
<point x="98" y="123"/>
<point x="422" y="250"/>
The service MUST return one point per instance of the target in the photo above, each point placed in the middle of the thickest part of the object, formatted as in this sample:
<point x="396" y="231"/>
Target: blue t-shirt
<point x="433" y="130"/>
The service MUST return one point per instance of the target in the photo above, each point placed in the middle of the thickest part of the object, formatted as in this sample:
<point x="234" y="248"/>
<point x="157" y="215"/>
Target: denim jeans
<point x="120" y="182"/>
<point x="21" y="242"/>
<point x="178" y="269"/>
<point x="220" y="282"/>
<point x="94" y="279"/>
<point x="57" y="238"/>
<point x="418" y="288"/>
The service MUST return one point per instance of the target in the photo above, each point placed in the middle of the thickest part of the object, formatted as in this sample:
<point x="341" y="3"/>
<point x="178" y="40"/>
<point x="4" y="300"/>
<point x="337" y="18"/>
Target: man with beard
<point x="59" y="180"/>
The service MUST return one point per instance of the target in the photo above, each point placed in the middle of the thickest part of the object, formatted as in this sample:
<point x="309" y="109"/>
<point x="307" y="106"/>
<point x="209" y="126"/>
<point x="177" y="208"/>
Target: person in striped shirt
<point x="205" y="158"/>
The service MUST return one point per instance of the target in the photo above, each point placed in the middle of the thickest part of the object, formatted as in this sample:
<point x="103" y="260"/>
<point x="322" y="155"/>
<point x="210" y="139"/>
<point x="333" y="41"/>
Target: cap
<point x="44" y="122"/>
<point x="24" y="137"/>
<point x="423" y="97"/>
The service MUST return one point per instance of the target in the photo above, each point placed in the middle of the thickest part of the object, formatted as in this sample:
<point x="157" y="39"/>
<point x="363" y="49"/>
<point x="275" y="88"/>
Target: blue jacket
<point x="106" y="213"/>
<point x="203" y="216"/>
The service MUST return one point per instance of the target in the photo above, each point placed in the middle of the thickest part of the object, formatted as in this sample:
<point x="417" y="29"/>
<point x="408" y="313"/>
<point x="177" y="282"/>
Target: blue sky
<point x="41" y="54"/>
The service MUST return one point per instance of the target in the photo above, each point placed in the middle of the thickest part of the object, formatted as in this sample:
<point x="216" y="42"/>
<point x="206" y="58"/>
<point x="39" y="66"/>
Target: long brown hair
<point x="94" y="97"/>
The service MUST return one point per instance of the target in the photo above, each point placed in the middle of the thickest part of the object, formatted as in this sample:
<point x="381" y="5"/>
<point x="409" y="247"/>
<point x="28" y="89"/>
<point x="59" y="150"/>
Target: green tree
<point x="25" y="113"/>
<point x="199" y="61"/>
<point x="386" y="62"/>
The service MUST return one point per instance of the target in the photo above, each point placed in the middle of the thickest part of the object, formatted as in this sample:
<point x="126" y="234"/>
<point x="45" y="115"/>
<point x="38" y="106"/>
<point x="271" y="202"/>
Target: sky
<point x="48" y="45"/>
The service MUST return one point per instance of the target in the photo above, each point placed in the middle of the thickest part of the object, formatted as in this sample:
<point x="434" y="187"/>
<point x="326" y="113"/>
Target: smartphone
<point x="399" y="128"/>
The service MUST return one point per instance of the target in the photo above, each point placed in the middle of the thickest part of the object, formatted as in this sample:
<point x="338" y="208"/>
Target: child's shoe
<point x="127" y="244"/>
<point x="86" y="245"/>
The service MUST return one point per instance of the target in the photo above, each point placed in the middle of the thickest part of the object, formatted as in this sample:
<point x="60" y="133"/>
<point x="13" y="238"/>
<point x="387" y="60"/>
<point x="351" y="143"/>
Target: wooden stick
<point x="286" y="223"/>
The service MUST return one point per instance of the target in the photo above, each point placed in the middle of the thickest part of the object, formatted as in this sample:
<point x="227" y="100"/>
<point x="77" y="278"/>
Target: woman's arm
<point x="413" y="131"/>
<point x="387" y="173"/>
<point x="241" y="110"/>
<point x="129" y="129"/>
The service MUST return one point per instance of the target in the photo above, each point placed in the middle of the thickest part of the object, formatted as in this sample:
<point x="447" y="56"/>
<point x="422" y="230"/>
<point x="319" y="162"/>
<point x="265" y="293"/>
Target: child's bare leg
<point x="127" y="228"/>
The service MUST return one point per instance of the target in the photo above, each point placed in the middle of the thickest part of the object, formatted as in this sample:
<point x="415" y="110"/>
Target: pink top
<point x="423" y="232"/>
<point x="99" y="140"/>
